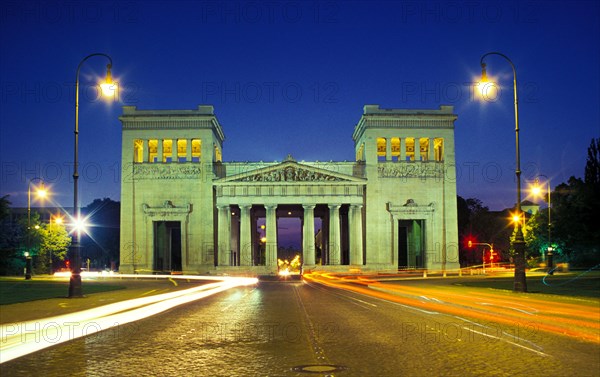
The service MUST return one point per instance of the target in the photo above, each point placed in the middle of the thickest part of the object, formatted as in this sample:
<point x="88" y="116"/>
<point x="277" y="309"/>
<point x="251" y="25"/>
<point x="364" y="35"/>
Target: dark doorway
<point x="411" y="243"/>
<point x="167" y="246"/>
<point x="403" y="244"/>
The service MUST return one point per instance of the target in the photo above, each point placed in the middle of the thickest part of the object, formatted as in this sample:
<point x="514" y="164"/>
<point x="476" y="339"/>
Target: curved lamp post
<point x="518" y="244"/>
<point x="41" y="193"/>
<point x="108" y="88"/>
<point x="537" y="191"/>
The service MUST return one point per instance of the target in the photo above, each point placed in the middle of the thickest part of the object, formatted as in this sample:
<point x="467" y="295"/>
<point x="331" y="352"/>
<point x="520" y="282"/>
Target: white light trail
<point x="22" y="338"/>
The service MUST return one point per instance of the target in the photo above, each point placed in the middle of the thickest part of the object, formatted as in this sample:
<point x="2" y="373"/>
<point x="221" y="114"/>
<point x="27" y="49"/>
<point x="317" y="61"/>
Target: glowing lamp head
<point x="516" y="218"/>
<point x="483" y="73"/>
<point x="108" y="87"/>
<point x="536" y="190"/>
<point x="470" y="243"/>
<point x="80" y="225"/>
<point x="42" y="193"/>
<point x="58" y="220"/>
<point x="263" y="239"/>
<point x="487" y="89"/>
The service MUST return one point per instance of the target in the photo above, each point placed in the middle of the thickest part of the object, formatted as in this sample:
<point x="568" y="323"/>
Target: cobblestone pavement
<point x="283" y="329"/>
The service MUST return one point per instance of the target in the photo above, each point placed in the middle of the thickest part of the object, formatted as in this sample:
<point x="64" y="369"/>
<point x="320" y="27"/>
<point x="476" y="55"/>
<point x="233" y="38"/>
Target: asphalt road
<point x="281" y="329"/>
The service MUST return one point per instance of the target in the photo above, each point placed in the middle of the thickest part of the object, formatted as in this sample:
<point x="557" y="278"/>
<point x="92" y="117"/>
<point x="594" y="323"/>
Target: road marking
<point x="432" y="299"/>
<point x="508" y="307"/>
<point x="507" y="341"/>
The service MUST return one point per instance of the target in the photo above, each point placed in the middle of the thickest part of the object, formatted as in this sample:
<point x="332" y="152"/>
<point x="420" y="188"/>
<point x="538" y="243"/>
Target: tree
<point x="575" y="208"/>
<point x="592" y="166"/>
<point x="11" y="263"/>
<point x="55" y="242"/>
<point x="4" y="208"/>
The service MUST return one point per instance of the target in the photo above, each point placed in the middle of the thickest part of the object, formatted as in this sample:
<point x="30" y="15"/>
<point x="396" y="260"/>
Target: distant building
<point x="46" y="214"/>
<point x="529" y="207"/>
<point x="183" y="209"/>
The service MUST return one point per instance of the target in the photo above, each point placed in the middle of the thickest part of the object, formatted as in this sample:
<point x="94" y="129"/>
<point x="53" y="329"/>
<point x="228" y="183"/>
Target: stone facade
<point x="183" y="209"/>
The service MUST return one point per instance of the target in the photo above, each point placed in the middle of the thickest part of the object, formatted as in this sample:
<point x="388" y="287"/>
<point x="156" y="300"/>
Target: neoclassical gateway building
<point x="184" y="209"/>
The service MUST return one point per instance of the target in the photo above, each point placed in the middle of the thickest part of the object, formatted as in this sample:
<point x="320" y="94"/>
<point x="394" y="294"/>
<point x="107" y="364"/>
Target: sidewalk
<point x="45" y="308"/>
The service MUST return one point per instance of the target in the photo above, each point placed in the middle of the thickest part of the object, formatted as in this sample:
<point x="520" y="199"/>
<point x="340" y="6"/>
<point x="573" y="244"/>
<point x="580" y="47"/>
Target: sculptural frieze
<point x="410" y="170"/>
<point x="166" y="171"/>
<point x="290" y="174"/>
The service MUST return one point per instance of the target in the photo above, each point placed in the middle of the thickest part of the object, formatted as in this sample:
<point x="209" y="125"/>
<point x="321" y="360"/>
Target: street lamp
<point x="108" y="89"/>
<point x="536" y="190"/>
<point x="41" y="193"/>
<point x="518" y="244"/>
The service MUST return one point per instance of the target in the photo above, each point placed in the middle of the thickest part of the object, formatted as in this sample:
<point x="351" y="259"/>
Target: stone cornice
<point x="202" y="118"/>
<point x="374" y="117"/>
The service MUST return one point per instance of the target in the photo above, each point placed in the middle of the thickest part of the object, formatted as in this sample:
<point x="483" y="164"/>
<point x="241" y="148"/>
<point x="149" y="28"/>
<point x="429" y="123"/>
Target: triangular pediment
<point x="289" y="172"/>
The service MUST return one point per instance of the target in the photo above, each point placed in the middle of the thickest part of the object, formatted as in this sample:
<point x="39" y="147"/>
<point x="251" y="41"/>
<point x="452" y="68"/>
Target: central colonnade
<point x="340" y="241"/>
<point x="283" y="190"/>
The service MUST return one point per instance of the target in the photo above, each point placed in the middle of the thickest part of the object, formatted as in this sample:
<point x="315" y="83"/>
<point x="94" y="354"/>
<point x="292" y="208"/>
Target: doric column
<point x="174" y="151"/>
<point x="271" y="245"/>
<point x="188" y="150"/>
<point x="395" y="240"/>
<point x="355" y="228"/>
<point x="145" y="150"/>
<point x="388" y="148"/>
<point x="159" y="150"/>
<point x="224" y="236"/>
<point x="308" y="235"/>
<point x="245" y="237"/>
<point x="431" y="150"/>
<point x="334" y="234"/>
<point x="402" y="149"/>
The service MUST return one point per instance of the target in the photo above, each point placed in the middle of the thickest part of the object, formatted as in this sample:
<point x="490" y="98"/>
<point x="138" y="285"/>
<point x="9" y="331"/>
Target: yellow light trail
<point x="572" y="320"/>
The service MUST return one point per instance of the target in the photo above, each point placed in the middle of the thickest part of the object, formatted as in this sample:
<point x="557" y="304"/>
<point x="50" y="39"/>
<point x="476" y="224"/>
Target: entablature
<point x="411" y="210"/>
<point x="290" y="172"/>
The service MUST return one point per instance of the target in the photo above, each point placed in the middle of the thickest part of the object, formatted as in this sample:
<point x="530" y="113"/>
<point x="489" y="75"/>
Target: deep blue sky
<point x="292" y="77"/>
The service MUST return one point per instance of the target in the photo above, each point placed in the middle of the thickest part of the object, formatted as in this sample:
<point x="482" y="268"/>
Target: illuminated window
<point x="196" y="150"/>
<point x="395" y="148"/>
<point x="218" y="156"/>
<point x="153" y="150"/>
<point x="360" y="154"/>
<point x="438" y="147"/>
<point x="424" y="148"/>
<point x="381" y="148"/>
<point x="410" y="149"/>
<point x="138" y="150"/>
<point x="167" y="150"/>
<point x="181" y="150"/>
